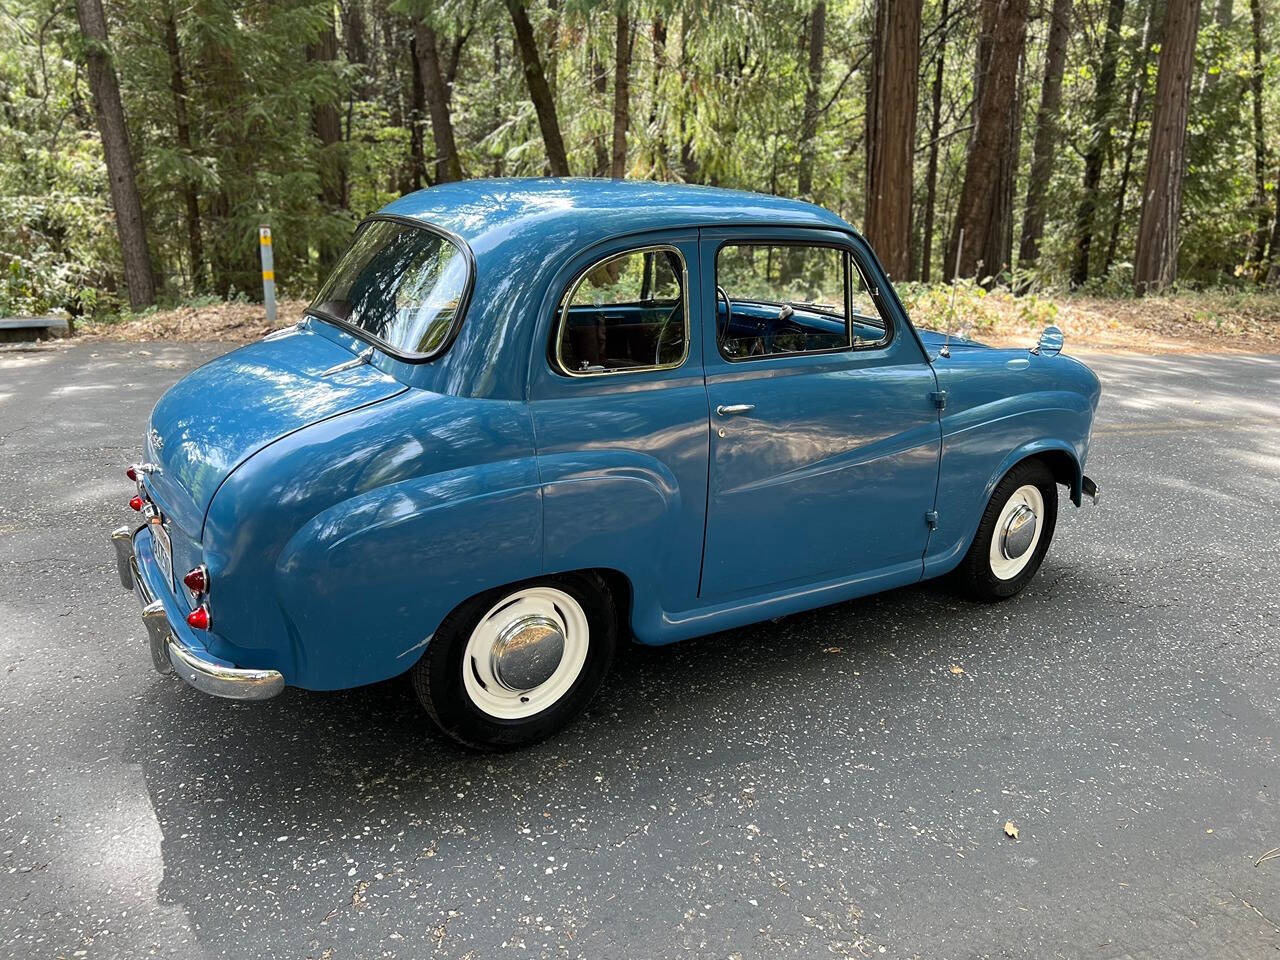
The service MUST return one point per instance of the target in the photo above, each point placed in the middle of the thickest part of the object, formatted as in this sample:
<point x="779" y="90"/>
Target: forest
<point x="1113" y="147"/>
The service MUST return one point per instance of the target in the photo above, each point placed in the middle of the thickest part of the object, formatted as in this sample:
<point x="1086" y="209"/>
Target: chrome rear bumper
<point x="170" y="655"/>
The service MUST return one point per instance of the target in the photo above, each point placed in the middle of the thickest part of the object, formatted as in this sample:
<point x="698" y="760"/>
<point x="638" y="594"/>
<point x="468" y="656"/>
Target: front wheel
<point x="1014" y="534"/>
<point x="514" y="665"/>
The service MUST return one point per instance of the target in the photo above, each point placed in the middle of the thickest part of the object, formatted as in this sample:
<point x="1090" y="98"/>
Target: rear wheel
<point x="514" y="665"/>
<point x="1014" y="534"/>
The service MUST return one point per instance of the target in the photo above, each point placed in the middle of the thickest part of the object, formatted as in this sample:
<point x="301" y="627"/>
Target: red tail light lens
<point x="136" y="502"/>
<point x="132" y="474"/>
<point x="199" y="617"/>
<point x="197" y="579"/>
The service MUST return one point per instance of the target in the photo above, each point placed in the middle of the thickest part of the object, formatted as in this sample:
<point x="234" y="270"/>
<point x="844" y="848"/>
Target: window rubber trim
<point x="464" y="302"/>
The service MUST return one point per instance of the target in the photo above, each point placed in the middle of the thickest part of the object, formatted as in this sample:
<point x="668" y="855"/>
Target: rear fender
<point x="368" y="580"/>
<point x="619" y="510"/>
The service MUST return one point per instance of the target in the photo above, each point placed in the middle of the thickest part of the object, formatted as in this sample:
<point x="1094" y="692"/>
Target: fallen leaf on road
<point x="957" y="669"/>
<point x="1010" y="830"/>
<point x="833" y="650"/>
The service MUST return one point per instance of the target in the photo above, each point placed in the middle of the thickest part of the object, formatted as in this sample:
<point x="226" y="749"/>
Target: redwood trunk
<point x="190" y="191"/>
<point x="621" y="96"/>
<point x="980" y="214"/>
<point x="1099" y="140"/>
<point x="1047" y="133"/>
<point x="448" y="164"/>
<point x="109" y="113"/>
<point x="891" y="128"/>
<point x="1259" y="139"/>
<point x="544" y="104"/>
<point x="935" y="131"/>
<point x="1156" y="261"/>
<point x="813" y="89"/>
<point x="1136" y="101"/>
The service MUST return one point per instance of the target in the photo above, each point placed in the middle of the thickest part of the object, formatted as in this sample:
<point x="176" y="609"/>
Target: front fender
<point x="1003" y="407"/>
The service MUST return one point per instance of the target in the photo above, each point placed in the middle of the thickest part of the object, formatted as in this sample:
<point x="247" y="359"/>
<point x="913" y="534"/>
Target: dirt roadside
<point x="1188" y="323"/>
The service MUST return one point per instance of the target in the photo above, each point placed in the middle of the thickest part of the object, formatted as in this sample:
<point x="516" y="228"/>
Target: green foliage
<point x="717" y="93"/>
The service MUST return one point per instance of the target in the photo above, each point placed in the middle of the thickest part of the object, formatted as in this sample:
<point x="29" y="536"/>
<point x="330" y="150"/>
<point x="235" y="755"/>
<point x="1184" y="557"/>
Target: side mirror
<point x="1050" y="344"/>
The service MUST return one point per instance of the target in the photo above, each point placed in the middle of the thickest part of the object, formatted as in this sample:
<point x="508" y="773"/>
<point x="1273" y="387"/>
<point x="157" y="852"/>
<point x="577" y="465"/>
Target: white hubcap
<point x="1017" y="532"/>
<point x="525" y="653"/>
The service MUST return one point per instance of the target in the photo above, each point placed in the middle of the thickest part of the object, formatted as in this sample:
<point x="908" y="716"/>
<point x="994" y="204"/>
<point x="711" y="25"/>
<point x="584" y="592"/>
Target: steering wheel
<point x="721" y="293"/>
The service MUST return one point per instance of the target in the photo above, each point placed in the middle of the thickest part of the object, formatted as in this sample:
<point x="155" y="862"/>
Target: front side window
<point x="625" y="314"/>
<point x="401" y="285"/>
<point x="790" y="298"/>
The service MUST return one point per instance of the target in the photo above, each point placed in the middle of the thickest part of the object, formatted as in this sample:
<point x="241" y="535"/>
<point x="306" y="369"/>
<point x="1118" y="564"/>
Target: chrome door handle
<point x="733" y="409"/>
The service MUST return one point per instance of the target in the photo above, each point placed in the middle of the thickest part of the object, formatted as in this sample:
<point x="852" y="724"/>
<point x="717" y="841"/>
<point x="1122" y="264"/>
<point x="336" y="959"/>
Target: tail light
<point x="197" y="579"/>
<point x="199" y="617"/>
<point x="136" y="502"/>
<point x="132" y="473"/>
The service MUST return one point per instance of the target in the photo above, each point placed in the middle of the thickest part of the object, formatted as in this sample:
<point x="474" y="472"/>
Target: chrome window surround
<point x="567" y="300"/>
<point x="460" y="312"/>
<point x="851" y="264"/>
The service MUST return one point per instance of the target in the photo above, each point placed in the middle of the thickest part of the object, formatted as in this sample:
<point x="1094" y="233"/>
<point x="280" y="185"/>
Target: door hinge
<point x="939" y="398"/>
<point x="931" y="518"/>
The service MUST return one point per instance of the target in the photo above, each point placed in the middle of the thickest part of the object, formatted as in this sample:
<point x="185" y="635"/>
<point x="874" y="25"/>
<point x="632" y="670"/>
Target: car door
<point x="824" y="427"/>
<point x="619" y="409"/>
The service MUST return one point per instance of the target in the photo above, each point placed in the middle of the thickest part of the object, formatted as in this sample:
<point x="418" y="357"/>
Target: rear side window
<point x="403" y="286"/>
<point x="792" y="298"/>
<point x="625" y="314"/>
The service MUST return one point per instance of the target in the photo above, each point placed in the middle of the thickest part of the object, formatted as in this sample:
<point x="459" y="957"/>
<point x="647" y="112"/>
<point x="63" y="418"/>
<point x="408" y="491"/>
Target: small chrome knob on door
<point x="733" y="409"/>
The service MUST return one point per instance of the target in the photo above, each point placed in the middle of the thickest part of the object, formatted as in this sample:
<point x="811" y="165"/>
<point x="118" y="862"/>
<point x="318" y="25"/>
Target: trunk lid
<point x="220" y="414"/>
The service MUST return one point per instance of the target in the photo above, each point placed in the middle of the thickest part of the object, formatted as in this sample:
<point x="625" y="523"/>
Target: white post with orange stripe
<point x="268" y="272"/>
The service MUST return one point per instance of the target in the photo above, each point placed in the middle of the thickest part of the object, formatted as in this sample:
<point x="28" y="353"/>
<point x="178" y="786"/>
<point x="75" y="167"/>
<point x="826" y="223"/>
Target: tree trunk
<point x="357" y="45"/>
<point x="935" y="131"/>
<point x="1259" y="140"/>
<point x="979" y="214"/>
<point x="688" y="160"/>
<point x="109" y="113"/>
<point x="659" y="37"/>
<point x="417" y="109"/>
<point x="621" y="95"/>
<point x="1047" y="133"/>
<point x="1136" y="101"/>
<point x="327" y="124"/>
<point x="891" y="128"/>
<point x="812" y="92"/>
<point x="1099" y="140"/>
<point x="1273" y="252"/>
<point x="1223" y="16"/>
<point x="190" y="190"/>
<point x="543" y="102"/>
<point x="1156" y="261"/>
<point x="448" y="164"/>
<point x="600" y="84"/>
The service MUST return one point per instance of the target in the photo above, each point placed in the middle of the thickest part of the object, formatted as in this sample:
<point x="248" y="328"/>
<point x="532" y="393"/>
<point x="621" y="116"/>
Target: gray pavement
<point x="822" y="786"/>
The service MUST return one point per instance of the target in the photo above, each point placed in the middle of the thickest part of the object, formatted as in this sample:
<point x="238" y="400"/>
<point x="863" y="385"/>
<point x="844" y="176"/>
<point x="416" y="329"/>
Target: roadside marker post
<point x="268" y="272"/>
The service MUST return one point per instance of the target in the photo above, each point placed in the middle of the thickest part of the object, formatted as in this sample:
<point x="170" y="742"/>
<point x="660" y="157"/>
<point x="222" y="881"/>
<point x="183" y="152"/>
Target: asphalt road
<point x="826" y="785"/>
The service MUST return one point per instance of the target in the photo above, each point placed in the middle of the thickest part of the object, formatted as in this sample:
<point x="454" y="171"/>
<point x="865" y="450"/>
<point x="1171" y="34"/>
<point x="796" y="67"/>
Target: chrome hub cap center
<point x="527" y="652"/>
<point x="1018" y="533"/>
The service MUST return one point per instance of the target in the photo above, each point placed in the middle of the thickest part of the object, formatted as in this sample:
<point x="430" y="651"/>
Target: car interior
<point x="626" y="313"/>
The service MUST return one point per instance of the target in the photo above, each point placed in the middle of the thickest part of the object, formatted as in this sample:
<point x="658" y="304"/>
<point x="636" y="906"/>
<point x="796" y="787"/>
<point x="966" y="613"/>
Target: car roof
<point x="568" y="212"/>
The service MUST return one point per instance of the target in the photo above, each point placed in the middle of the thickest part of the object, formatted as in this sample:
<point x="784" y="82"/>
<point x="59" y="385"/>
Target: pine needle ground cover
<point x="1208" y="322"/>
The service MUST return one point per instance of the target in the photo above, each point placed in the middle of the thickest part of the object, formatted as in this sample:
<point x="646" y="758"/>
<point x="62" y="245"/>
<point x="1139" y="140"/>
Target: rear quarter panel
<point x="337" y="550"/>
<point x="1002" y="407"/>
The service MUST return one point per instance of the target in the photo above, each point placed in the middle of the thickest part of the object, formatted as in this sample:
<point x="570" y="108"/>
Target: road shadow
<point x="298" y="801"/>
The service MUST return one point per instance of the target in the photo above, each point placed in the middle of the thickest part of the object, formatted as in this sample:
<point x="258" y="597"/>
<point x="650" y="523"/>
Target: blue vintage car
<point x="526" y="418"/>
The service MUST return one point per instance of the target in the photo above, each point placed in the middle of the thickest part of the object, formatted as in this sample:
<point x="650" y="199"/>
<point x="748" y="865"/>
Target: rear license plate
<point x="162" y="549"/>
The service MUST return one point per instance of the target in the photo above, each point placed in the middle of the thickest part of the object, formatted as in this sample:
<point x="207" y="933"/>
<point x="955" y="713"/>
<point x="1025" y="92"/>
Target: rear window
<point x="402" y="286"/>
